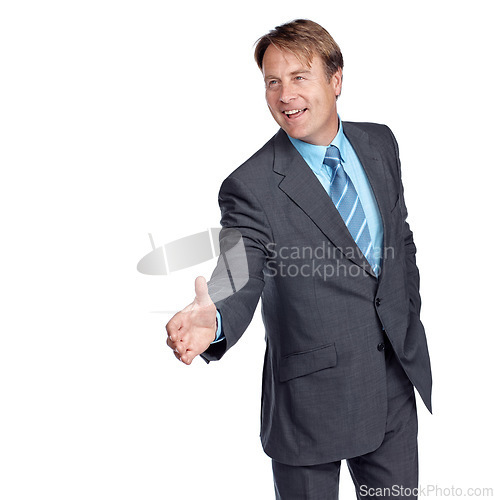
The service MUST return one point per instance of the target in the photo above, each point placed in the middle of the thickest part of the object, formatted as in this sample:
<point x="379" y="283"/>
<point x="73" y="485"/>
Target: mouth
<point x="291" y="114"/>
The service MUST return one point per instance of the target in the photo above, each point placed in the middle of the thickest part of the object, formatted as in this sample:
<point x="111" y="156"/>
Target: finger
<point x="181" y="348"/>
<point x="171" y="344"/>
<point x="188" y="357"/>
<point x="172" y="328"/>
<point x="202" y="296"/>
<point x="178" y="347"/>
<point x="175" y="325"/>
<point x="176" y="336"/>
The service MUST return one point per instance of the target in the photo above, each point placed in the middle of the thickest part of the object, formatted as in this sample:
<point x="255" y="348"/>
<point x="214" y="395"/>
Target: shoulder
<point x="261" y="160"/>
<point x="257" y="171"/>
<point x="374" y="130"/>
<point x="256" y="180"/>
<point x="379" y="134"/>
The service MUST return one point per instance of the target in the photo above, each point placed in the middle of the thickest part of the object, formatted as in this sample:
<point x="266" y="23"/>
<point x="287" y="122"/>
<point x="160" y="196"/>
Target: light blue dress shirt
<point x="314" y="157"/>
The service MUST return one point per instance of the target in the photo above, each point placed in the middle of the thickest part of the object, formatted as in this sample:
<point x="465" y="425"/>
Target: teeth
<point x="292" y="112"/>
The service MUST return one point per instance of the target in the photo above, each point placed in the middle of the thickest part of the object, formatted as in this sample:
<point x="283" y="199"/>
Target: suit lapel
<point x="305" y="190"/>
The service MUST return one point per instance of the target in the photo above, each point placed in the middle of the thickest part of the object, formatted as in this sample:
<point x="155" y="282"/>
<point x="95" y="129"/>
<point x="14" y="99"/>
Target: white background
<point x="122" y="118"/>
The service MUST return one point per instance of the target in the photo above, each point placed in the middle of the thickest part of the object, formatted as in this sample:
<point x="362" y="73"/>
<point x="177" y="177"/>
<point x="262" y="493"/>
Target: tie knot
<point x="332" y="157"/>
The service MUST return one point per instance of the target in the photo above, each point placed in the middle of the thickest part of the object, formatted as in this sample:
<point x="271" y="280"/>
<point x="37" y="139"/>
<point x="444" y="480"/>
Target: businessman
<point x="321" y="212"/>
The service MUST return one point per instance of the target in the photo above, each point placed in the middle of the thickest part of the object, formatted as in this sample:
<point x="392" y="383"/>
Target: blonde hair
<point x="303" y="38"/>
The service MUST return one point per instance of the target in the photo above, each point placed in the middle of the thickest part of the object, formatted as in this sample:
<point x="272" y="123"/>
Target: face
<point x="300" y="98"/>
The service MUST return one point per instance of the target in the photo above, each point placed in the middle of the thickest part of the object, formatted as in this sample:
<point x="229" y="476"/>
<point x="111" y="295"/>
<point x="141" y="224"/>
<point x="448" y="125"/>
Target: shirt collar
<point x="313" y="154"/>
<point x="339" y="139"/>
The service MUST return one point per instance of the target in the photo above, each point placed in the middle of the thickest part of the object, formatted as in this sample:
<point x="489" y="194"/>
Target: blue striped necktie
<point x="346" y="200"/>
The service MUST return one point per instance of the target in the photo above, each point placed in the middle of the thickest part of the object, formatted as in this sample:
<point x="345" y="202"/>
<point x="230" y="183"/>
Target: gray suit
<point x="324" y="395"/>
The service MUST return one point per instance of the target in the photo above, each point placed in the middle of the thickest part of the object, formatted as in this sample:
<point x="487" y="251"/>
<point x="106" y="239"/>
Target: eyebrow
<point x="292" y="73"/>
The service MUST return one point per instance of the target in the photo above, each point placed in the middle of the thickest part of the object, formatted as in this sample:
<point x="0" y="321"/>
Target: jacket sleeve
<point x="413" y="277"/>
<point x="242" y="212"/>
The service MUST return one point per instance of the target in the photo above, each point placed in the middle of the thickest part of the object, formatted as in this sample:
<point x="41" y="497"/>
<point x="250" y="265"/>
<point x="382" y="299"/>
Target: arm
<point x="241" y="211"/>
<point x="413" y="277"/>
<point x="193" y="331"/>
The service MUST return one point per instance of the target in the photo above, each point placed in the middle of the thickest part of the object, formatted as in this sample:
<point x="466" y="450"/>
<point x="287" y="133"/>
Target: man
<point x="323" y="219"/>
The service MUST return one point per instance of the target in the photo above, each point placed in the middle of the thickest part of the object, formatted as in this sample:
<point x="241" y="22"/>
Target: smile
<point x="294" y="113"/>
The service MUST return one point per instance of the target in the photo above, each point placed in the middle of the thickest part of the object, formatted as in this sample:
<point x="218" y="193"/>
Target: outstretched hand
<point x="191" y="331"/>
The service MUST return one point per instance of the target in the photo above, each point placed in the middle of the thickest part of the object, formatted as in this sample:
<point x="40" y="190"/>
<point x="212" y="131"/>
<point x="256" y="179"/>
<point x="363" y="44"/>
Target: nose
<point x="287" y="93"/>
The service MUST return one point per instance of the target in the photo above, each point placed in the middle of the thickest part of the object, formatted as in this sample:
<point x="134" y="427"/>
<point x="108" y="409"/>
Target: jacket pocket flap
<point x="304" y="363"/>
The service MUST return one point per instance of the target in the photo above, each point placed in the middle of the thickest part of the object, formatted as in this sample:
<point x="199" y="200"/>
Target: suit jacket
<point x="325" y="312"/>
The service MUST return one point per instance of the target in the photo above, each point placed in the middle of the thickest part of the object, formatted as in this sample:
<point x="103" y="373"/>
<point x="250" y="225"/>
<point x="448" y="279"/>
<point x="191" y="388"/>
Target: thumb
<point x="202" y="295"/>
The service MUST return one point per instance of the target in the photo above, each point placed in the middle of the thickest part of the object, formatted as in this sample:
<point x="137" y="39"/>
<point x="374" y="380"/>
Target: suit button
<point x="378" y="302"/>
<point x="381" y="346"/>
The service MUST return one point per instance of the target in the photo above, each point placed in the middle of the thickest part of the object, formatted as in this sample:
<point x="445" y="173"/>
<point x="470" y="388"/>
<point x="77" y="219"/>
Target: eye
<point x="299" y="78"/>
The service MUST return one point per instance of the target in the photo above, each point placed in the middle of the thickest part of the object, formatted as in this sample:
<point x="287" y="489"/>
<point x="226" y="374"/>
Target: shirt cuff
<point x="219" y="332"/>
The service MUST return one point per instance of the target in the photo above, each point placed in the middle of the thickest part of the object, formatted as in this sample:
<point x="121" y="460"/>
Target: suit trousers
<point x="389" y="472"/>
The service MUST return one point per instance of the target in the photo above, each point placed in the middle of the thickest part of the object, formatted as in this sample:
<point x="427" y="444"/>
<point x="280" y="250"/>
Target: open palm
<point x="191" y="331"/>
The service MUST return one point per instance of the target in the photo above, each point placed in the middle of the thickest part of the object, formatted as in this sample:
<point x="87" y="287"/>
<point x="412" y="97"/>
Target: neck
<point x="328" y="135"/>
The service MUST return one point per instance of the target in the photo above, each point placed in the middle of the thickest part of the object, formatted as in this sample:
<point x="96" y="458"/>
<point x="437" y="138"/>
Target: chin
<point x="296" y="135"/>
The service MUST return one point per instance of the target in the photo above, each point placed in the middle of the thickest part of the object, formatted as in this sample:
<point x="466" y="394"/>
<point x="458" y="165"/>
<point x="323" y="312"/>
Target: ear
<point x="336" y="81"/>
